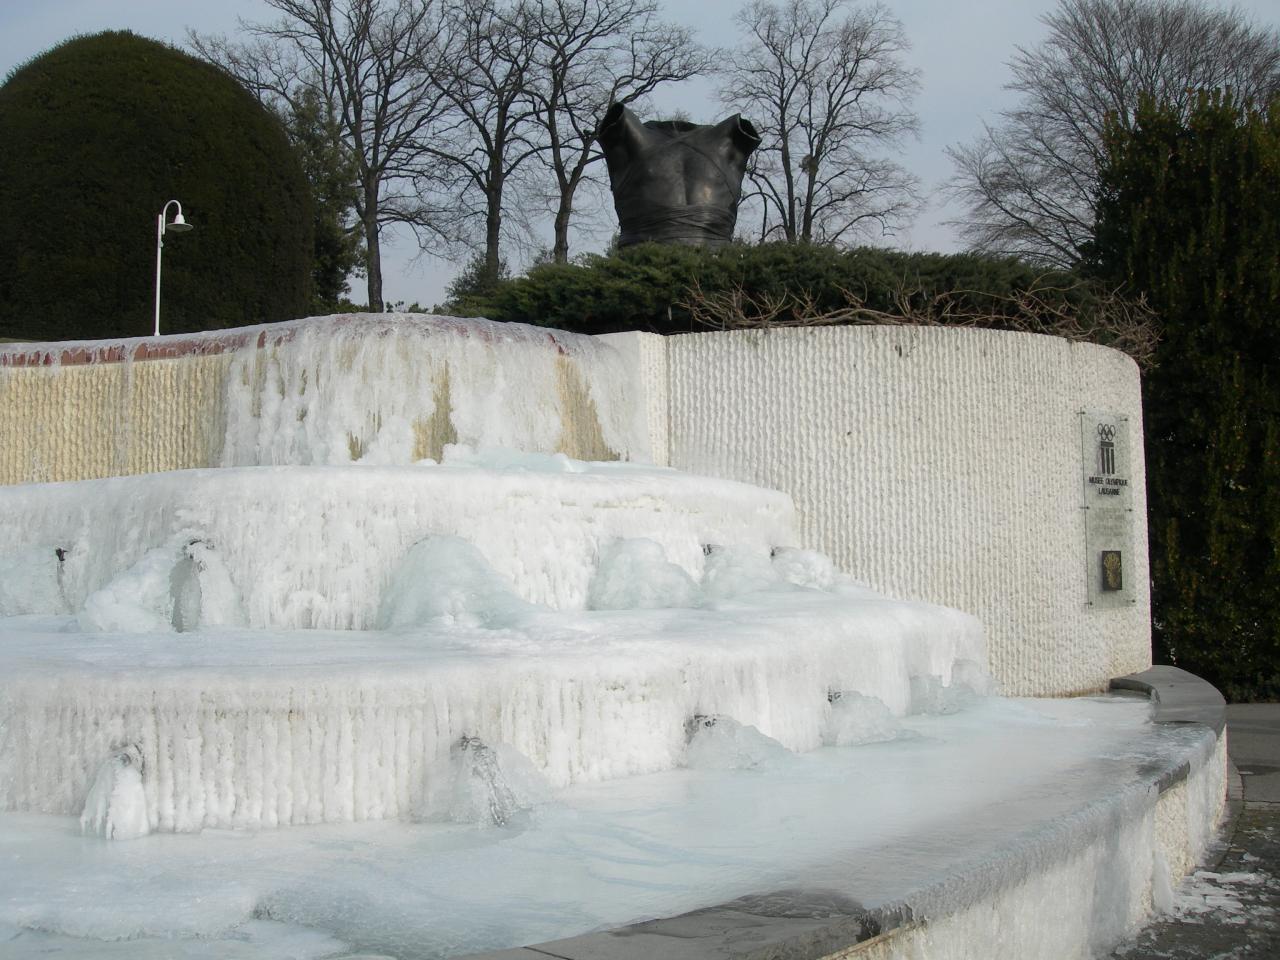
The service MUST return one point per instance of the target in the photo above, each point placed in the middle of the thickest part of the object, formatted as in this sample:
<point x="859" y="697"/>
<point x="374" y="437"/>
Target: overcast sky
<point x="962" y="50"/>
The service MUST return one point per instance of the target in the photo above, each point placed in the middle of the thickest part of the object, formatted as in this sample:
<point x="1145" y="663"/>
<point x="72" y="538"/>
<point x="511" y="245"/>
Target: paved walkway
<point x="1231" y="907"/>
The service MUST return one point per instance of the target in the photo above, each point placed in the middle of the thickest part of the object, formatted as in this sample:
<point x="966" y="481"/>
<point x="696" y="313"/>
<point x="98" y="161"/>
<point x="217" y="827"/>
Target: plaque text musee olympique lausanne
<point x="1108" y="508"/>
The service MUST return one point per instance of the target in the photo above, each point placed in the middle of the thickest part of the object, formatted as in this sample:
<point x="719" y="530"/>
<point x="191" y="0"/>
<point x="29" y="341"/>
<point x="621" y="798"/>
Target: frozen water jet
<point x="722" y="743"/>
<point x="116" y="807"/>
<point x="483" y="785"/>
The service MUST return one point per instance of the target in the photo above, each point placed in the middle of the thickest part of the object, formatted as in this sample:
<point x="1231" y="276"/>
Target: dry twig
<point x="1106" y="317"/>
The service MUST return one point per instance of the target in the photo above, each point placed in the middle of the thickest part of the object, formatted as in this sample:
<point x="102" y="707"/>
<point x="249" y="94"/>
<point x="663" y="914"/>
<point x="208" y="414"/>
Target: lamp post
<point x="177" y="225"/>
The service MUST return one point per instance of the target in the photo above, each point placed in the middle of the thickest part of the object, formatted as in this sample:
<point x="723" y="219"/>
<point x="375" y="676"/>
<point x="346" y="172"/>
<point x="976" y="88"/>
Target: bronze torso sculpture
<point x="675" y="182"/>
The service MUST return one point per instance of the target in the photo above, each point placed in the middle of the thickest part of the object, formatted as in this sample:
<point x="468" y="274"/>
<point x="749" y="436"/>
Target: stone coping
<point x="1178" y="696"/>
<point x="811" y="924"/>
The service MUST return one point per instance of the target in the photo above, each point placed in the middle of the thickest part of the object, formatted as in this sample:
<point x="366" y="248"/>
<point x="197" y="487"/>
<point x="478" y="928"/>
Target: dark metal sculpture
<point x="675" y="182"/>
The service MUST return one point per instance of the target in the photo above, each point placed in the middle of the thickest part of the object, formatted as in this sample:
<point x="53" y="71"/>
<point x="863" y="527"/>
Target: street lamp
<point x="177" y="225"/>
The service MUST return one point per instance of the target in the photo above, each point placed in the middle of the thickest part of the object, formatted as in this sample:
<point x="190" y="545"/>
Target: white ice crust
<point x="243" y="728"/>
<point x="317" y="547"/>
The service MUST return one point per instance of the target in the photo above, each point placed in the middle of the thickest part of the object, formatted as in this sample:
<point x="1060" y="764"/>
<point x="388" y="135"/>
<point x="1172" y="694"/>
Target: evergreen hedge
<point x="1190" y="215"/>
<point x="96" y="135"/>
<point x="676" y="289"/>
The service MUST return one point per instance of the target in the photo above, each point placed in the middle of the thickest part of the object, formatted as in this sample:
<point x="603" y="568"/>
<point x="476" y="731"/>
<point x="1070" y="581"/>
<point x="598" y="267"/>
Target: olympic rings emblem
<point x="1106" y="431"/>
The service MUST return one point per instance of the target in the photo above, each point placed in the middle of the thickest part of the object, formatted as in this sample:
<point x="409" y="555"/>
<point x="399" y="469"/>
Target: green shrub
<point x="95" y="136"/>
<point x="674" y="289"/>
<point x="1190" y="215"/>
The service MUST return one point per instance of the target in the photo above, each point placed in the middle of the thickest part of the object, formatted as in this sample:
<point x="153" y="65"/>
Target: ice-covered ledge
<point x="1174" y="805"/>
<point x="370" y="388"/>
<point x="316" y="546"/>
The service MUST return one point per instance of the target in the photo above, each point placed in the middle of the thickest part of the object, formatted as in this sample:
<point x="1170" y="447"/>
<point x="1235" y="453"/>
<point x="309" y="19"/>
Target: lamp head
<point x="179" y="225"/>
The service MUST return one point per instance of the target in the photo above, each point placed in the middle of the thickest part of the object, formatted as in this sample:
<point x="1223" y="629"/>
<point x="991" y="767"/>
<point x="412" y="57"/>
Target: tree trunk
<point x="372" y="250"/>
<point x="560" y="251"/>
<point x="788" y="214"/>
<point x="493" y="226"/>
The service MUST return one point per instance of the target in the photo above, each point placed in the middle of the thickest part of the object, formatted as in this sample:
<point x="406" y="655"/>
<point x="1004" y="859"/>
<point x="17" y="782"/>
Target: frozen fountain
<point x="412" y="589"/>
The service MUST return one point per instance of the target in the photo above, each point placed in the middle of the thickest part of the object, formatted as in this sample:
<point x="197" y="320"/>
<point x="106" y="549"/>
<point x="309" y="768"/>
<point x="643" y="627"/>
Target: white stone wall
<point x="933" y="463"/>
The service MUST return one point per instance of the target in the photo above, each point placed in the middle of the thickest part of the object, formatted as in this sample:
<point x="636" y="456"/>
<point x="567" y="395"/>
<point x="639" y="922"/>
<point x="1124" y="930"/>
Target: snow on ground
<point x="1206" y="893"/>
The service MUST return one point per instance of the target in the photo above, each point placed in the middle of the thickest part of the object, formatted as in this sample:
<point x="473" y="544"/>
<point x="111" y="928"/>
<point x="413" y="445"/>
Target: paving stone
<point x="1230" y="910"/>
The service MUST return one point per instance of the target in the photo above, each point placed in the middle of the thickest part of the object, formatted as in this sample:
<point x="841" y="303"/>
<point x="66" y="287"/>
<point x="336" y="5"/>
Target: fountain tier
<point x="245" y="728"/>
<point x="282" y="725"/>
<point x="316" y="547"/>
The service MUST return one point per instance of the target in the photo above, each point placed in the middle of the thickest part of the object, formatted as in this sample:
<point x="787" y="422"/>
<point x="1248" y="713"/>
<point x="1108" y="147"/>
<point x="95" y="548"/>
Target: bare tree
<point x="379" y="65"/>
<point x="1030" y="181"/>
<point x="826" y="87"/>
<point x="491" y="132"/>
<point x="589" y="55"/>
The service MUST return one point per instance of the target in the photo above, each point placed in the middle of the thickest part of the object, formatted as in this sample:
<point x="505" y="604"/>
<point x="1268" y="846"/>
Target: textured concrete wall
<point x="932" y="463"/>
<point x="109" y="419"/>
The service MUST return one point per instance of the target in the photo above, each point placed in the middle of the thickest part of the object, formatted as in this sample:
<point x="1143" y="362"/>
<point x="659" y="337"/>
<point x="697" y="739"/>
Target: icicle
<point x="184" y="587"/>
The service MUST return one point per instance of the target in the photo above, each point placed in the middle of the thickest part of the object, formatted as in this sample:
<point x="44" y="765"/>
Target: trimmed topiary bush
<point x="95" y="136"/>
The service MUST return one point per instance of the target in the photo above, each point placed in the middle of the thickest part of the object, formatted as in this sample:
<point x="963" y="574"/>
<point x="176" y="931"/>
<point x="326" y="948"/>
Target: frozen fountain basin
<point x="1011" y="829"/>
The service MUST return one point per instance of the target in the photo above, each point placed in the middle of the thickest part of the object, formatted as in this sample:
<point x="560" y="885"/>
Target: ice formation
<point x="31" y="581"/>
<point x="316" y="547"/>
<point x="734" y="570"/>
<point x="635" y="574"/>
<point x="181" y="586"/>
<point x="477" y="572"/>
<point x="446" y="580"/>
<point x="249" y="728"/>
<point x="482" y="784"/>
<point x="1069" y="853"/>
<point x="395" y="389"/>
<point x="139" y="600"/>
<point x="722" y="743"/>
<point x="931" y="693"/>
<point x="116" y="807"/>
<point x="376" y="389"/>
<point x="857" y="719"/>
<point x="805" y="568"/>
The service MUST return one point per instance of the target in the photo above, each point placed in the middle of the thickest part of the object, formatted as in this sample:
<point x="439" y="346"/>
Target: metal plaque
<point x="1108" y="508"/>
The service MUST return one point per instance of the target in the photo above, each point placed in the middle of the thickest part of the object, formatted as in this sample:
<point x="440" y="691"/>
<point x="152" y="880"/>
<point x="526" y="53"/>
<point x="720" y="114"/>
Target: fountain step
<point x="316" y="547"/>
<point x="250" y="728"/>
